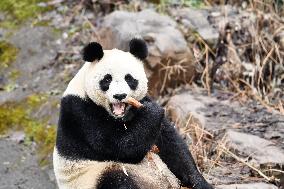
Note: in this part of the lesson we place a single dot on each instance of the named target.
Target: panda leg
(116, 179)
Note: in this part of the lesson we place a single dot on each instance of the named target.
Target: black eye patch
(133, 83)
(105, 82)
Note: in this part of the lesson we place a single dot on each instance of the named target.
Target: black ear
(138, 48)
(92, 51)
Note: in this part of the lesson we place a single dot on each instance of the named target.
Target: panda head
(114, 75)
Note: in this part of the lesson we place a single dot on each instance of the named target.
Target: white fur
(117, 63)
(76, 85)
(85, 174)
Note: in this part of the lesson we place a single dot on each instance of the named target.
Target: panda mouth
(118, 109)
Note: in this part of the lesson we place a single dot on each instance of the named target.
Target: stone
(228, 173)
(170, 61)
(37, 48)
(18, 136)
(260, 185)
(275, 131)
(261, 151)
(197, 19)
(185, 104)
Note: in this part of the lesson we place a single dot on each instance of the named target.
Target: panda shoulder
(76, 85)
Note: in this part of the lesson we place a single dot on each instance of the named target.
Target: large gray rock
(169, 59)
(19, 168)
(197, 19)
(37, 48)
(262, 152)
(260, 185)
(150, 25)
(181, 106)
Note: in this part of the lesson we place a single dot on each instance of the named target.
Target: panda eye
(105, 82)
(132, 83)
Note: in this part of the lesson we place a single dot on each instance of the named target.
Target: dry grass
(204, 141)
(169, 71)
(200, 140)
(252, 67)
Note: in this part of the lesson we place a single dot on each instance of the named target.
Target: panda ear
(138, 48)
(92, 51)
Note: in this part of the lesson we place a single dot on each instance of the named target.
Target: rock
(184, 110)
(228, 173)
(275, 131)
(181, 106)
(149, 25)
(197, 19)
(262, 152)
(35, 74)
(19, 168)
(260, 185)
(37, 48)
(170, 60)
(18, 136)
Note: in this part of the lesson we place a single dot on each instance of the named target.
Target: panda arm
(141, 133)
(175, 153)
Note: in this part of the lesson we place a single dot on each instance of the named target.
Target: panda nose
(119, 96)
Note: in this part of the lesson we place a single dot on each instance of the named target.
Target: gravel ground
(19, 168)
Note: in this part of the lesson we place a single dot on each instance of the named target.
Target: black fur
(116, 179)
(93, 51)
(138, 48)
(105, 82)
(87, 131)
(132, 83)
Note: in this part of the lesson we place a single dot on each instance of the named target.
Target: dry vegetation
(248, 58)
(205, 144)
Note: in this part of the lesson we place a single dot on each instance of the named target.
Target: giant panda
(104, 143)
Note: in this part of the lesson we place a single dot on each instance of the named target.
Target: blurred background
(215, 65)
